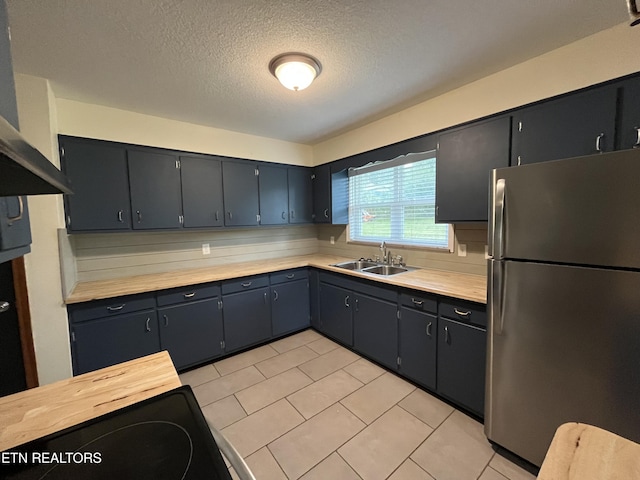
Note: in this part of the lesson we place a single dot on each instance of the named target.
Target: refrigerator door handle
(496, 274)
(498, 214)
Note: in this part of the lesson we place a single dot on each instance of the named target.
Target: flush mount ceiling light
(295, 71)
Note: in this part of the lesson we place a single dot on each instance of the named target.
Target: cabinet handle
(4, 306)
(166, 321)
(519, 160)
(146, 325)
(291, 275)
(275, 295)
(446, 334)
(599, 143)
(461, 313)
(217, 215)
(120, 216)
(637, 144)
(246, 284)
(429, 325)
(346, 301)
(189, 295)
(10, 220)
(284, 215)
(417, 303)
(230, 215)
(356, 304)
(293, 214)
(115, 309)
(326, 213)
(139, 216)
(265, 297)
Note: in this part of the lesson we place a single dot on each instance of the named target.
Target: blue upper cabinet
(240, 186)
(202, 191)
(300, 182)
(156, 194)
(98, 172)
(274, 196)
(629, 131)
(571, 126)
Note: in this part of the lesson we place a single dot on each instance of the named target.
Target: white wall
(37, 115)
(603, 56)
(95, 121)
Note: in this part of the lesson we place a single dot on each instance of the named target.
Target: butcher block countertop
(451, 284)
(584, 452)
(34, 413)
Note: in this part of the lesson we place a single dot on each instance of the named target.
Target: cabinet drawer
(245, 283)
(187, 294)
(419, 301)
(289, 276)
(466, 312)
(110, 306)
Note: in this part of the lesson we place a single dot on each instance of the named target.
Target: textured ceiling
(206, 61)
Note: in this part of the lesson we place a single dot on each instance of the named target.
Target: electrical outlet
(332, 239)
(462, 250)
(206, 250)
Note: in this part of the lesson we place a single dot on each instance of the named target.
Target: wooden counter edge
(34, 413)
(583, 452)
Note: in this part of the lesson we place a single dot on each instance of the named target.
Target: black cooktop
(163, 438)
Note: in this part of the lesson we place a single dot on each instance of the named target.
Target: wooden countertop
(34, 413)
(584, 452)
(451, 284)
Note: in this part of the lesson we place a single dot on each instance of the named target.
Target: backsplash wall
(115, 255)
(474, 236)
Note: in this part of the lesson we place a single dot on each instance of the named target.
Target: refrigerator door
(564, 347)
(582, 210)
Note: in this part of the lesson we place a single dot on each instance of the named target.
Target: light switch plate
(462, 249)
(206, 250)
(332, 239)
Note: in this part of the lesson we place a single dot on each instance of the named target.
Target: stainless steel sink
(385, 270)
(356, 265)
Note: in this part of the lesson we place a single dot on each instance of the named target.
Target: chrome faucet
(385, 253)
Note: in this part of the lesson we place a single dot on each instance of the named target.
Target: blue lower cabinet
(247, 318)
(191, 332)
(106, 341)
(418, 331)
(336, 319)
(289, 307)
(375, 329)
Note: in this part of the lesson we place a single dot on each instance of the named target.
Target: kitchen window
(394, 201)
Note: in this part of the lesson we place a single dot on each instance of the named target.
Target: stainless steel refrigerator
(563, 300)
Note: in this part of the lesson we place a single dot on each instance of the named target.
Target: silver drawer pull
(599, 143)
(346, 301)
(246, 284)
(115, 309)
(326, 213)
(4, 306)
(417, 303)
(637, 144)
(429, 325)
(462, 314)
(10, 220)
(190, 295)
(166, 321)
(146, 325)
(446, 334)
(275, 295)
(291, 275)
(120, 216)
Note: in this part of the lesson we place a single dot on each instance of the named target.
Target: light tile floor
(306, 408)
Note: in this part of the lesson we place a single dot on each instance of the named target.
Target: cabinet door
(156, 198)
(375, 329)
(274, 197)
(191, 332)
(572, 126)
(335, 313)
(201, 192)
(289, 307)
(314, 299)
(461, 363)
(322, 194)
(240, 186)
(8, 104)
(107, 341)
(630, 115)
(417, 346)
(247, 318)
(464, 162)
(98, 174)
(15, 229)
(300, 195)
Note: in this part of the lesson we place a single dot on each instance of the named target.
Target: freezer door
(577, 211)
(564, 347)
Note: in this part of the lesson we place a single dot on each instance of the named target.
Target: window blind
(394, 201)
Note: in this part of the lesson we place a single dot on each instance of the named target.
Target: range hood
(23, 169)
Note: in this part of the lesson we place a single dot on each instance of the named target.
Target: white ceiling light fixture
(295, 71)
